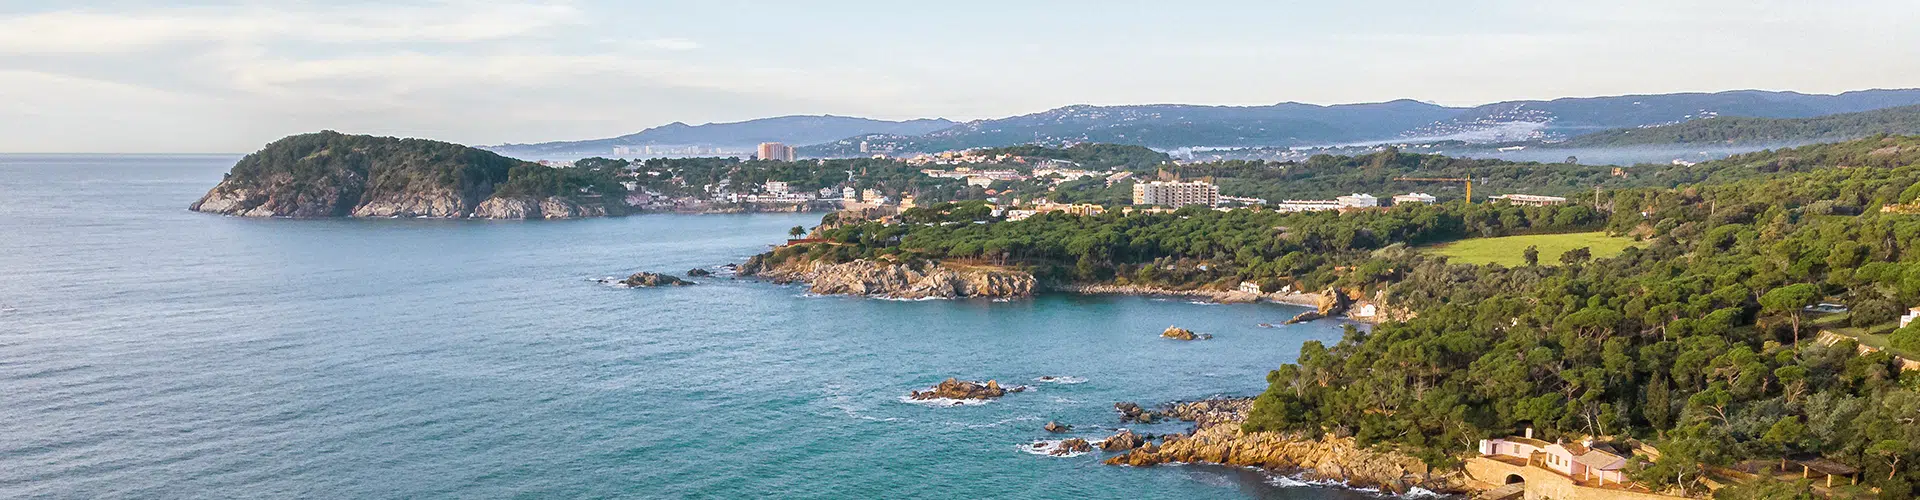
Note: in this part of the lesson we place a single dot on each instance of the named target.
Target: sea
(147, 351)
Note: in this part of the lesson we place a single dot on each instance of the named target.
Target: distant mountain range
(792, 130)
(1164, 126)
(1562, 118)
(1173, 126)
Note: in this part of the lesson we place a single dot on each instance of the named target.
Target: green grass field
(1510, 250)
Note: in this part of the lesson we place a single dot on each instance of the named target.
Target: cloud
(95, 32)
(470, 72)
(676, 44)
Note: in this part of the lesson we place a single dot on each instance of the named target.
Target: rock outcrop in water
(954, 388)
(1218, 439)
(1071, 446)
(1132, 412)
(698, 273)
(649, 280)
(329, 174)
(894, 280)
(1177, 333)
(1058, 428)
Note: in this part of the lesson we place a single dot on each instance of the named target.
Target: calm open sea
(151, 352)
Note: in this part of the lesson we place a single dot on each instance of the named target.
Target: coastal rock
(1209, 412)
(434, 204)
(271, 197)
(1202, 294)
(896, 280)
(1332, 303)
(698, 273)
(1178, 333)
(648, 280)
(508, 208)
(1057, 428)
(1132, 412)
(1218, 439)
(564, 208)
(954, 388)
(1071, 446)
(1125, 440)
(1306, 317)
(522, 207)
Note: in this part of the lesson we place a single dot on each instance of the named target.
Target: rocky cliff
(894, 280)
(330, 174)
(1218, 439)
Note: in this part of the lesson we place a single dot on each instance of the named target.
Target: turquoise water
(147, 351)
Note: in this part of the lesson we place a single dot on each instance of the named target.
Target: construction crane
(1467, 180)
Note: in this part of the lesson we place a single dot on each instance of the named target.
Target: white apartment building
(1358, 200)
(1305, 205)
(1410, 198)
(1531, 200)
(1176, 194)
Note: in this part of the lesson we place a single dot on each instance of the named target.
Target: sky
(230, 76)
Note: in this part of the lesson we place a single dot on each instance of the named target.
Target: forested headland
(330, 174)
(1696, 340)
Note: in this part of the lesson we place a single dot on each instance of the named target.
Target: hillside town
(1016, 187)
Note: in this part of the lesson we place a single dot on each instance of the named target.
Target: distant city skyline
(231, 75)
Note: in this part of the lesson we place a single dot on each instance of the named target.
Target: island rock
(954, 388)
(1071, 446)
(329, 174)
(649, 280)
(1178, 333)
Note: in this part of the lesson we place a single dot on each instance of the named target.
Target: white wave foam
(1298, 481)
(899, 299)
(1001, 422)
(943, 402)
(1047, 447)
(611, 281)
(1063, 380)
(838, 400)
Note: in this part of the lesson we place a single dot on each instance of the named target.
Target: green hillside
(1736, 131)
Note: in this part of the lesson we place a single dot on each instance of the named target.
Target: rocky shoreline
(1218, 439)
(895, 280)
(937, 280)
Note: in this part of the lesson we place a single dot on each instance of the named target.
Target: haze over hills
(1561, 118)
(1745, 131)
(1284, 125)
(1165, 126)
(1293, 124)
(796, 130)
